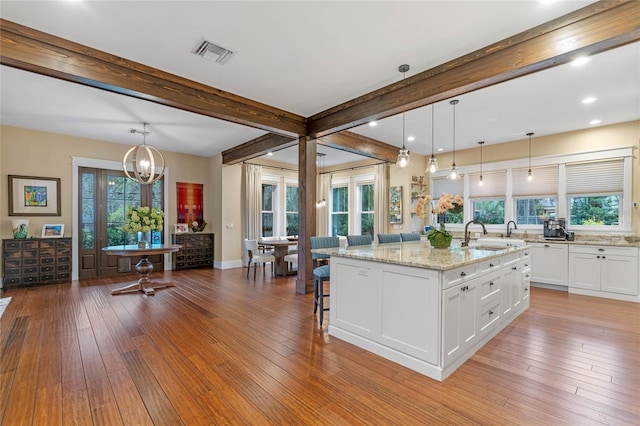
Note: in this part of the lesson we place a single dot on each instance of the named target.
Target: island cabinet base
(422, 318)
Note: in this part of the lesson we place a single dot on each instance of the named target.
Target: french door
(105, 196)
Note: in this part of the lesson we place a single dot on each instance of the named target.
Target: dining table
(280, 250)
(144, 267)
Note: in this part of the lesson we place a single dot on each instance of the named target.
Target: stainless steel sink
(498, 242)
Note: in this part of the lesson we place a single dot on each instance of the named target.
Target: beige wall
(32, 153)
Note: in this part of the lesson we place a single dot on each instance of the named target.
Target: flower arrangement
(195, 227)
(441, 238)
(143, 219)
(421, 206)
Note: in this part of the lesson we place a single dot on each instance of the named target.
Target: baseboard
(550, 286)
(228, 264)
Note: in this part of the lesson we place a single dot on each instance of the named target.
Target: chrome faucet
(509, 229)
(467, 235)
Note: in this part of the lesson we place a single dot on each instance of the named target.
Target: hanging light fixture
(141, 162)
(432, 166)
(453, 174)
(403, 155)
(481, 179)
(322, 202)
(529, 175)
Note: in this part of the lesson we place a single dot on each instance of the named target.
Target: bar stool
(320, 275)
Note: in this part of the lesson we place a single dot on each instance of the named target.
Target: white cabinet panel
(604, 269)
(549, 263)
(459, 320)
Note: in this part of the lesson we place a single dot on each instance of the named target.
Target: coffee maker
(554, 229)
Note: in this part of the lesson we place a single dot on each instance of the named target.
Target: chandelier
(143, 163)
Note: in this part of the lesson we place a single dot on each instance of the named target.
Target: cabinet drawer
(12, 262)
(33, 269)
(459, 275)
(600, 250)
(512, 258)
(47, 252)
(47, 268)
(63, 259)
(488, 288)
(489, 318)
(489, 265)
(12, 245)
(30, 261)
(47, 260)
(30, 244)
(9, 272)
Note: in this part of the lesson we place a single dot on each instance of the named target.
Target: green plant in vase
(441, 238)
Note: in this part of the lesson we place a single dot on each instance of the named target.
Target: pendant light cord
(432, 129)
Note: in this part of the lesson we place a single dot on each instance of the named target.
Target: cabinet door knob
(463, 274)
(603, 257)
(526, 289)
(598, 257)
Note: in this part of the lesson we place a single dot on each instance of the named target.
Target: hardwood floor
(222, 349)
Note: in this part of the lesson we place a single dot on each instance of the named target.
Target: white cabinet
(515, 279)
(604, 270)
(549, 263)
(460, 317)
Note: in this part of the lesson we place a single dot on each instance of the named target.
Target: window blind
(494, 184)
(598, 177)
(453, 187)
(545, 181)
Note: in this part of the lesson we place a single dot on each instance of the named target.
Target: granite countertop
(622, 242)
(420, 254)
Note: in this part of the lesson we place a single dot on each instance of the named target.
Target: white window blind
(545, 181)
(453, 187)
(598, 177)
(494, 184)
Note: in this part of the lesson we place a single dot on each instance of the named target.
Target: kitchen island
(427, 309)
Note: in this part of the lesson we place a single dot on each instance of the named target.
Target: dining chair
(409, 236)
(321, 273)
(359, 240)
(389, 238)
(256, 257)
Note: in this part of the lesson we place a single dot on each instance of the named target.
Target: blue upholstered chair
(359, 240)
(389, 238)
(409, 236)
(321, 273)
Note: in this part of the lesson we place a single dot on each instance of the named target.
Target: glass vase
(144, 239)
(20, 228)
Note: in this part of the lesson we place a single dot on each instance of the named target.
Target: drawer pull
(491, 265)
(601, 249)
(547, 245)
(514, 268)
(491, 283)
(490, 312)
(463, 274)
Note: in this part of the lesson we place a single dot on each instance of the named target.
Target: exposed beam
(257, 147)
(362, 145)
(593, 29)
(31, 50)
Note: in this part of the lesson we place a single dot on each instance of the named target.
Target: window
(488, 200)
(268, 193)
(364, 225)
(339, 211)
(594, 192)
(291, 210)
(453, 187)
(535, 200)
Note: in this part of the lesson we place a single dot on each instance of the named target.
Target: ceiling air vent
(213, 52)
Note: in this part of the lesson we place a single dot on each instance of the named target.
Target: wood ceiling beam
(257, 147)
(593, 29)
(361, 145)
(31, 50)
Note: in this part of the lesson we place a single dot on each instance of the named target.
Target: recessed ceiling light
(440, 149)
(589, 100)
(411, 139)
(373, 123)
(579, 61)
(596, 121)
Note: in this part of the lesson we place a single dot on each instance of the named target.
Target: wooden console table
(144, 267)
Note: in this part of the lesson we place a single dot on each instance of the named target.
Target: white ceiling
(305, 57)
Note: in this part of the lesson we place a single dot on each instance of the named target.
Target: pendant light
(432, 166)
(529, 175)
(322, 202)
(141, 162)
(403, 155)
(453, 174)
(481, 179)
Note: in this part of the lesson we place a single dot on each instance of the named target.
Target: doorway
(103, 199)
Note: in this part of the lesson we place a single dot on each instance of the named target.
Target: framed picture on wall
(34, 196)
(395, 204)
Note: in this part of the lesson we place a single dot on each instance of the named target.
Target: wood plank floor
(221, 349)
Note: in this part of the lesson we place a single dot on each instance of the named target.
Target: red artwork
(189, 201)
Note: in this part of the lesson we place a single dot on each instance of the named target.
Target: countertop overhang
(420, 254)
